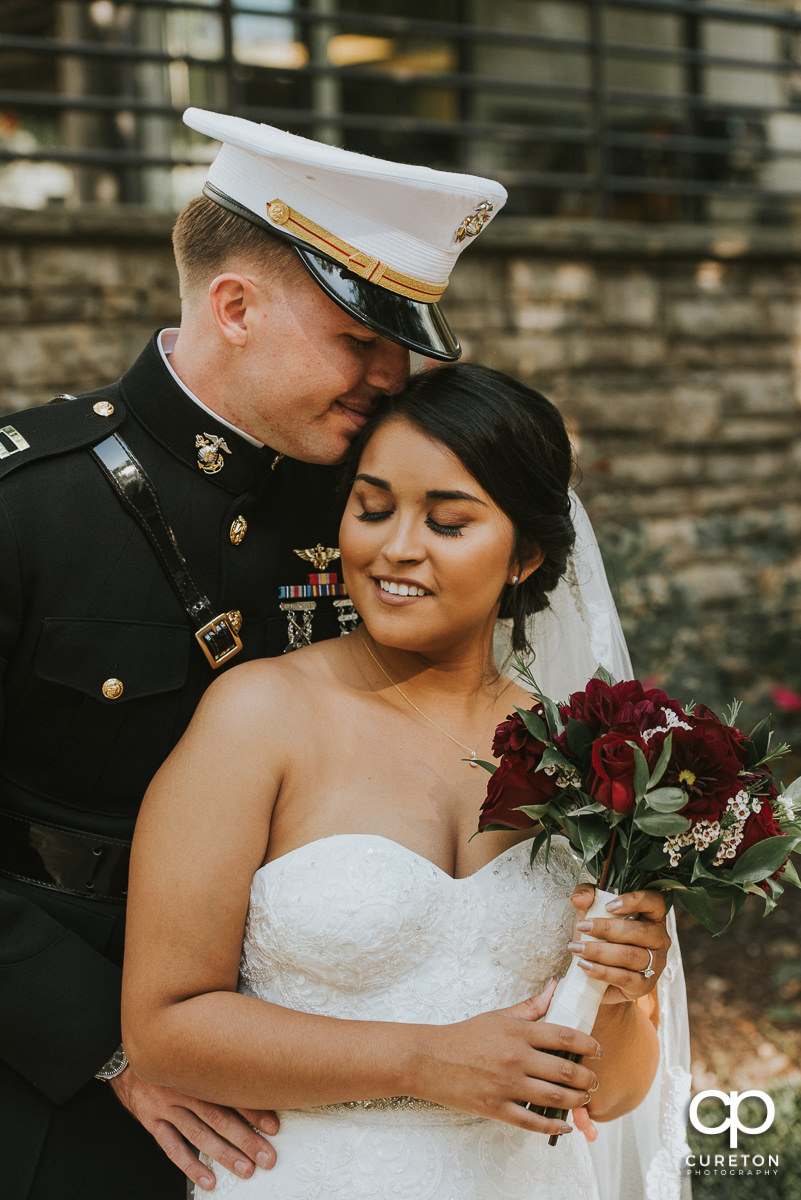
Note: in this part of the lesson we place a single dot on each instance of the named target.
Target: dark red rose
(517, 780)
(512, 737)
(611, 777)
(706, 762)
(626, 706)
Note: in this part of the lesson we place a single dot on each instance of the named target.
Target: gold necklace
(473, 762)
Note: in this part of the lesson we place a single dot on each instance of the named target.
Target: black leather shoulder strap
(216, 633)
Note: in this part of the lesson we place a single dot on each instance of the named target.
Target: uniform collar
(159, 402)
(166, 343)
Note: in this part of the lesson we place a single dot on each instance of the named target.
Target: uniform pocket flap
(113, 661)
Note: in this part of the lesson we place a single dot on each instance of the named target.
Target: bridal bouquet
(650, 795)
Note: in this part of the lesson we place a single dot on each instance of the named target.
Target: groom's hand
(177, 1122)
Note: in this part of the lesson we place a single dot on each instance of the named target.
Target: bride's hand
(634, 928)
(178, 1122)
(491, 1064)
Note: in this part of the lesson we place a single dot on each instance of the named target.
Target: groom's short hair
(208, 239)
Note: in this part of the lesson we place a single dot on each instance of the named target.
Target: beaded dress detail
(357, 926)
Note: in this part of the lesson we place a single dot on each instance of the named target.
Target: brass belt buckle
(219, 638)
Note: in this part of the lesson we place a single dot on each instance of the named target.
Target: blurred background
(646, 275)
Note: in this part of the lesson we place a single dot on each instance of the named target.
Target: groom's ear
(529, 558)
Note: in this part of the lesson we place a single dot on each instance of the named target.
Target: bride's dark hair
(514, 443)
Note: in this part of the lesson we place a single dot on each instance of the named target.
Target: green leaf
(662, 762)
(488, 766)
(790, 874)
(542, 838)
(760, 740)
(579, 737)
(666, 800)
(535, 811)
(534, 724)
(593, 833)
(641, 772)
(552, 716)
(661, 824)
(594, 807)
(553, 757)
(699, 906)
(760, 860)
(602, 674)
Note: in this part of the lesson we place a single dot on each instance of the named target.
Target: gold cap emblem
(235, 619)
(103, 408)
(112, 689)
(475, 221)
(209, 456)
(319, 556)
(278, 212)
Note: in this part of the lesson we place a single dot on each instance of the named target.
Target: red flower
(611, 777)
(706, 763)
(785, 698)
(517, 780)
(626, 706)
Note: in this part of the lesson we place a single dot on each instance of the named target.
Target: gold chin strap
(367, 267)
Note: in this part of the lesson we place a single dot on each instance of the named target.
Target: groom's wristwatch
(115, 1065)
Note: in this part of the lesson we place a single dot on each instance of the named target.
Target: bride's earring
(515, 578)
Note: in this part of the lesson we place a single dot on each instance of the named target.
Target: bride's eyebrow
(434, 494)
(374, 481)
(445, 495)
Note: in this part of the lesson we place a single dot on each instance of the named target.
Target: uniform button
(239, 528)
(103, 408)
(112, 689)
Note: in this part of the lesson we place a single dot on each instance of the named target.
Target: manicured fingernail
(269, 1125)
(613, 904)
(584, 926)
(582, 962)
(566, 1129)
(264, 1160)
(241, 1168)
(577, 947)
(206, 1182)
(599, 1053)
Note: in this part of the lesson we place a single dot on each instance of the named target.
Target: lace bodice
(357, 926)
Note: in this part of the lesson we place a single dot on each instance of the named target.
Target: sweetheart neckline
(400, 846)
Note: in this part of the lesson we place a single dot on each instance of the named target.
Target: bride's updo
(514, 443)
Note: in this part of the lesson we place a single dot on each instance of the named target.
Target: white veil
(640, 1156)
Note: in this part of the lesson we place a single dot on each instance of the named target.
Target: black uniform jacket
(84, 600)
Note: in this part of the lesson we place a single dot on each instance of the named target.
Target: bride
(310, 925)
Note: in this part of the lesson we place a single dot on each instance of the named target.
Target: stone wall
(675, 355)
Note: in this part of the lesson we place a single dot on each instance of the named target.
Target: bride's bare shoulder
(266, 687)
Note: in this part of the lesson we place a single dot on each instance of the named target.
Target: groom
(152, 533)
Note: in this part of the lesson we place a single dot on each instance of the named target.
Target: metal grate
(654, 110)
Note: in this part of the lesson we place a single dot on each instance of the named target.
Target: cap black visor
(420, 327)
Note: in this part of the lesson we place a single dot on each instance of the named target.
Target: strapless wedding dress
(357, 926)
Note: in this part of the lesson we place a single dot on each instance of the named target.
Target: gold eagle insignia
(319, 556)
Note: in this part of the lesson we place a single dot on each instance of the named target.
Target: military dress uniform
(101, 672)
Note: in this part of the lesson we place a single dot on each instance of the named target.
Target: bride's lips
(395, 599)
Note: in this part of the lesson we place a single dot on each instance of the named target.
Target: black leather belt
(65, 860)
(216, 633)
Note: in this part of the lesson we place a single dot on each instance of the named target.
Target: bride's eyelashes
(435, 526)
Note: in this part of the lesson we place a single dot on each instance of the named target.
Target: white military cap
(380, 238)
